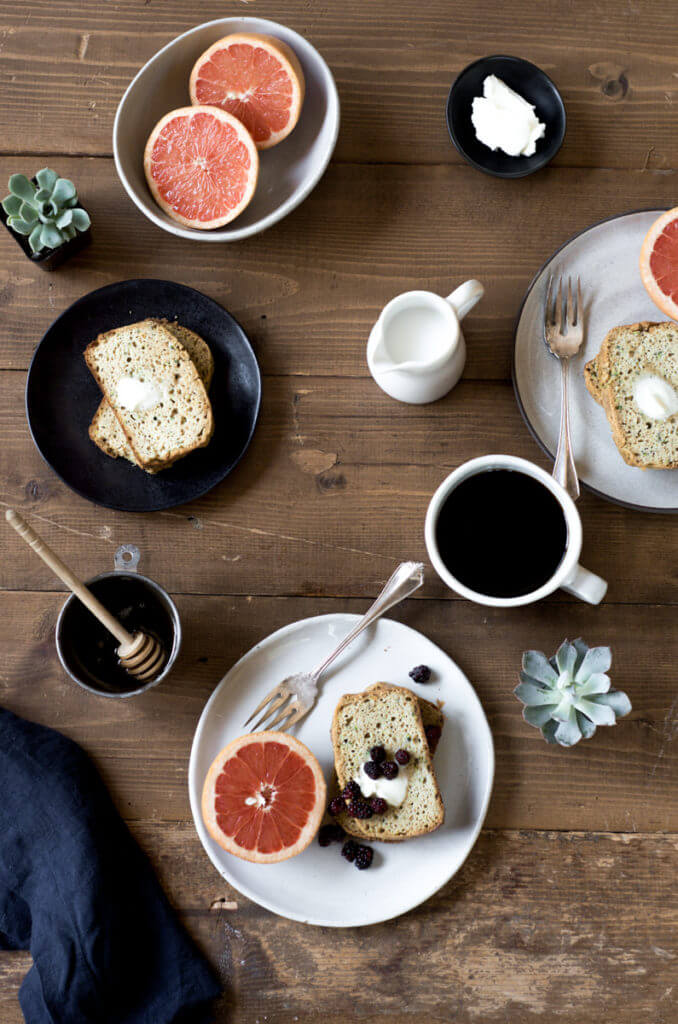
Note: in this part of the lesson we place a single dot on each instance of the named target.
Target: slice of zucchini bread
(389, 717)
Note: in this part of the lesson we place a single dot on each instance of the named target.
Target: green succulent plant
(46, 212)
(569, 695)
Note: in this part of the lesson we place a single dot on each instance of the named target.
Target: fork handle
(407, 578)
(564, 469)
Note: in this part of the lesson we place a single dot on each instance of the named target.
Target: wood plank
(308, 290)
(541, 922)
(324, 453)
(625, 779)
(64, 67)
(580, 926)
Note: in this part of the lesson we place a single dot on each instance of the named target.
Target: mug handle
(464, 298)
(585, 585)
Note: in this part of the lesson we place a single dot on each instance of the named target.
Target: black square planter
(50, 259)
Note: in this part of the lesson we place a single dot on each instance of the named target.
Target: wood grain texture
(625, 779)
(565, 911)
(308, 290)
(552, 926)
(68, 65)
(330, 497)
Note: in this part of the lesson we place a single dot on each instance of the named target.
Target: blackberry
(432, 736)
(389, 769)
(402, 757)
(378, 805)
(349, 850)
(421, 674)
(351, 791)
(363, 857)
(359, 809)
(372, 769)
(337, 805)
(330, 834)
(323, 838)
(378, 754)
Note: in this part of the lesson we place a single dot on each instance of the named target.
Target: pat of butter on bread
(105, 430)
(629, 355)
(180, 423)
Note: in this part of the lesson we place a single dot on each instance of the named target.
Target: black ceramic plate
(62, 396)
(529, 82)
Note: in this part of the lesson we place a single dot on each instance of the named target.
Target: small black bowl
(529, 82)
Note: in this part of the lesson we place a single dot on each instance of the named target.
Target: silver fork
(563, 336)
(296, 695)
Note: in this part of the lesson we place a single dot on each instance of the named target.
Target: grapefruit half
(659, 262)
(201, 166)
(264, 797)
(256, 78)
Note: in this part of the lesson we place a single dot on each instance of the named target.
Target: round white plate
(319, 886)
(605, 257)
(287, 172)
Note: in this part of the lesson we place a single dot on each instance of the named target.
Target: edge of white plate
(194, 788)
(514, 378)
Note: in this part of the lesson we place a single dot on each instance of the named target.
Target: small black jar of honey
(88, 652)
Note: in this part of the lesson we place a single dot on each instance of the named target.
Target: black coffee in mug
(501, 533)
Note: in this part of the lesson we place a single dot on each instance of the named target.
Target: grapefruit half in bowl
(201, 166)
(255, 77)
(659, 262)
(264, 797)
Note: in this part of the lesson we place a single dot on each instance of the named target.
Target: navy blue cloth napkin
(77, 891)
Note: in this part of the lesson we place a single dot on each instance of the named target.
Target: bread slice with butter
(178, 420)
(105, 430)
(395, 718)
(627, 354)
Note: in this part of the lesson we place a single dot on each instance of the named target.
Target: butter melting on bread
(105, 430)
(630, 357)
(176, 419)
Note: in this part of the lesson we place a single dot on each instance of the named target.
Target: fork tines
(553, 308)
(277, 699)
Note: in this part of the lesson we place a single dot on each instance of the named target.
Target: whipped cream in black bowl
(533, 86)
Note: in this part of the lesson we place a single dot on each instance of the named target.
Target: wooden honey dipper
(140, 654)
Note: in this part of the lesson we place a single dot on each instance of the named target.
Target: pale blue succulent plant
(47, 213)
(569, 695)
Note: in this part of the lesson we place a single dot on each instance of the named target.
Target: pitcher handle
(464, 298)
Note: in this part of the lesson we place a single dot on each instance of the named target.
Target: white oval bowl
(288, 171)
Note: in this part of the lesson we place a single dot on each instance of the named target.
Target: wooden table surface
(566, 908)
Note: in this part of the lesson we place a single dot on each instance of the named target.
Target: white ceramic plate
(287, 172)
(319, 886)
(605, 257)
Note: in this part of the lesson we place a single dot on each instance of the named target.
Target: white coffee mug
(569, 575)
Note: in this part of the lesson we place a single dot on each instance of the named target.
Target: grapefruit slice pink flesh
(201, 166)
(264, 797)
(659, 262)
(256, 78)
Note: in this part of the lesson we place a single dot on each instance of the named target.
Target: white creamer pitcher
(416, 351)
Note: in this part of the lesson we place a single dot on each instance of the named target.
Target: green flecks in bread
(149, 351)
(389, 716)
(105, 430)
(627, 353)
